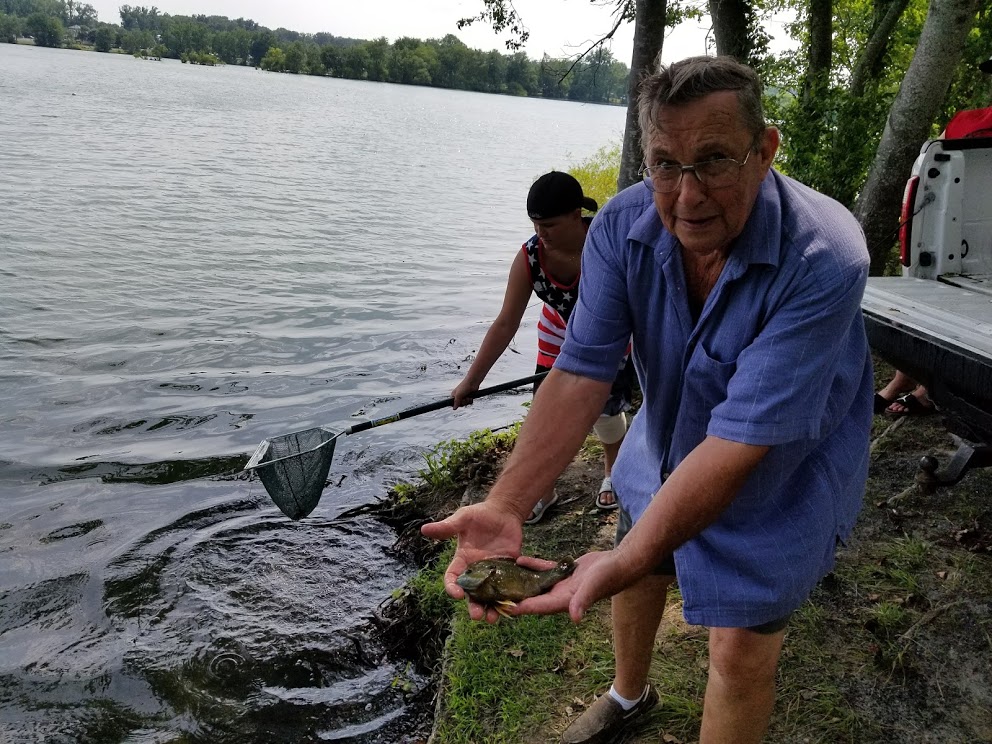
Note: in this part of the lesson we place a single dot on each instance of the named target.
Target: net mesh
(296, 482)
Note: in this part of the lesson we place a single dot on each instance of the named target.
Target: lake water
(193, 259)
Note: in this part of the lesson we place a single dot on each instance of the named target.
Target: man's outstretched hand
(483, 531)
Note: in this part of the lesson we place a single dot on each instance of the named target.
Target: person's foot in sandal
(916, 403)
(605, 719)
(606, 500)
(899, 385)
(540, 507)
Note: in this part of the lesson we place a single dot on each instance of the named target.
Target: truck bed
(940, 333)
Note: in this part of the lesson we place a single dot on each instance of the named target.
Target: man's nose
(691, 189)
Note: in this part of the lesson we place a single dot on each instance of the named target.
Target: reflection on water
(192, 260)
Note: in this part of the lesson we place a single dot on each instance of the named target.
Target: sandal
(540, 507)
(880, 403)
(914, 406)
(606, 487)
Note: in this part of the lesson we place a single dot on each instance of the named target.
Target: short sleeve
(812, 340)
(599, 330)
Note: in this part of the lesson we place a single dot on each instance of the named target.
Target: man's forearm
(692, 498)
(560, 417)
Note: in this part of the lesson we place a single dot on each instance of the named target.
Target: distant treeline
(443, 63)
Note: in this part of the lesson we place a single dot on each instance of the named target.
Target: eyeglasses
(713, 174)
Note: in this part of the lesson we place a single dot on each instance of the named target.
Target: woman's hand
(463, 393)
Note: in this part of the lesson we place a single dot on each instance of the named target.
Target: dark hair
(696, 77)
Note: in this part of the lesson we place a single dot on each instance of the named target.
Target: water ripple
(200, 259)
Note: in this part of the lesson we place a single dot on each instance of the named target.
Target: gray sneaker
(605, 720)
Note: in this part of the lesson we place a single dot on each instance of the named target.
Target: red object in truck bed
(971, 123)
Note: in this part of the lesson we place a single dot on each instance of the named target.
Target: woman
(548, 265)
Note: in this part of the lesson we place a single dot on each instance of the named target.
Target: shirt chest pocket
(705, 383)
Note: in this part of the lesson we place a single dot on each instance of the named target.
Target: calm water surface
(192, 260)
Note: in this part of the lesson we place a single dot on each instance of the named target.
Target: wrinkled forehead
(701, 128)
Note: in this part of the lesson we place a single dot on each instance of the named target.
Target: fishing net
(293, 468)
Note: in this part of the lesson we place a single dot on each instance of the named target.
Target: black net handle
(447, 402)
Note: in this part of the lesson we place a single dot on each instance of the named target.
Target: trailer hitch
(930, 477)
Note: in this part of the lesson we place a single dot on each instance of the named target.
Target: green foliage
(274, 60)
(971, 88)
(831, 133)
(106, 37)
(427, 587)
(47, 30)
(445, 462)
(134, 42)
(200, 58)
(10, 28)
(183, 36)
(295, 58)
(442, 63)
(598, 174)
(232, 47)
(141, 18)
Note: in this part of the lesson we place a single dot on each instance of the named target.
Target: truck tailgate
(939, 334)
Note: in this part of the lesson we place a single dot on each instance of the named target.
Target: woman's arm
(499, 335)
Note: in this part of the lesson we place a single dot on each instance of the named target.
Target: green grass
(500, 678)
(445, 464)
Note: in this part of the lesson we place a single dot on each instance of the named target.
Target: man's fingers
(443, 530)
(578, 605)
(451, 583)
(537, 564)
(542, 604)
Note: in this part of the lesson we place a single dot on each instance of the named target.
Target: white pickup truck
(935, 321)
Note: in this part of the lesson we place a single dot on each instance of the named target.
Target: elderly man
(747, 461)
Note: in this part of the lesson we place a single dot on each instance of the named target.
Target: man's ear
(769, 146)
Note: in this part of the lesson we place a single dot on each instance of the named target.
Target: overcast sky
(558, 27)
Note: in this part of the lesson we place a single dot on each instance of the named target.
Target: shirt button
(665, 476)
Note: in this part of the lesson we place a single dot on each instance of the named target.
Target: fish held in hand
(501, 582)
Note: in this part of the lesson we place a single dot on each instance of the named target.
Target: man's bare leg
(637, 612)
(740, 692)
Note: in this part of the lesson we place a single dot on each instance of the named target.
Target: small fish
(501, 582)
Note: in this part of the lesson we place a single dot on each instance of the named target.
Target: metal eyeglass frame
(645, 170)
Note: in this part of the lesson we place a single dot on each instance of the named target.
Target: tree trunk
(820, 50)
(871, 56)
(916, 105)
(731, 29)
(649, 35)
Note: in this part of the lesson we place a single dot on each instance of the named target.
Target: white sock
(624, 702)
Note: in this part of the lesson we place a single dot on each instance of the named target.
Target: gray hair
(696, 77)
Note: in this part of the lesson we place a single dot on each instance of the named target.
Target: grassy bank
(895, 645)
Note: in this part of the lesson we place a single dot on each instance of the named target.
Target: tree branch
(593, 46)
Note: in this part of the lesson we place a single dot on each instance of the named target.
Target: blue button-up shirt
(777, 357)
